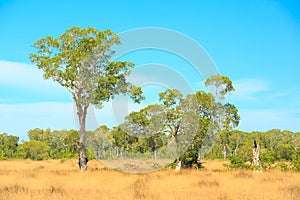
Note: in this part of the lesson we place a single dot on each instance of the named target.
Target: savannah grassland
(53, 179)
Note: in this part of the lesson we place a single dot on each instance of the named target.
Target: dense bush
(35, 150)
(8, 146)
(238, 162)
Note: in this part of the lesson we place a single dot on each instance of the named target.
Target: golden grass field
(52, 179)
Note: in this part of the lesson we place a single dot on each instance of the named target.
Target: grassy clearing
(52, 179)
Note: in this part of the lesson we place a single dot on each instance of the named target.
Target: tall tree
(80, 61)
(225, 116)
(148, 125)
(171, 99)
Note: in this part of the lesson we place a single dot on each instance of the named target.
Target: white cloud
(13, 73)
(261, 108)
(27, 77)
(266, 119)
(17, 119)
(247, 89)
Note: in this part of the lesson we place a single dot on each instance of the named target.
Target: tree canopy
(80, 61)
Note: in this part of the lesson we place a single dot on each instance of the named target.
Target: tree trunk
(177, 144)
(178, 167)
(155, 154)
(121, 153)
(199, 153)
(97, 155)
(117, 152)
(256, 149)
(224, 152)
(82, 158)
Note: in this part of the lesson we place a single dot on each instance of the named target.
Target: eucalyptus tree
(80, 61)
(171, 99)
(225, 115)
(148, 126)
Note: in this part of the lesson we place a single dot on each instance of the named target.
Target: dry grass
(24, 179)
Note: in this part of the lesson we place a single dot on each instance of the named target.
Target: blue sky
(256, 44)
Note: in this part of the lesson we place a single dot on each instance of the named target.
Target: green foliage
(171, 165)
(63, 145)
(296, 161)
(54, 140)
(8, 146)
(222, 85)
(35, 150)
(238, 162)
(122, 139)
(79, 60)
(59, 144)
(190, 158)
(90, 154)
(142, 131)
(98, 142)
(186, 121)
(36, 134)
(213, 115)
(170, 97)
(268, 157)
(277, 147)
(283, 166)
(70, 141)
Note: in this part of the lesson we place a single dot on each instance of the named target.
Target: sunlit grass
(52, 179)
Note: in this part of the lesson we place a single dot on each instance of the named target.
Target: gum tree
(80, 61)
(226, 115)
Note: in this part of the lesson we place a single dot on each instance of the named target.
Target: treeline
(42, 144)
(279, 149)
(102, 143)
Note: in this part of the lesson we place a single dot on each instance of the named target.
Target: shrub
(237, 162)
(283, 166)
(267, 159)
(171, 165)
